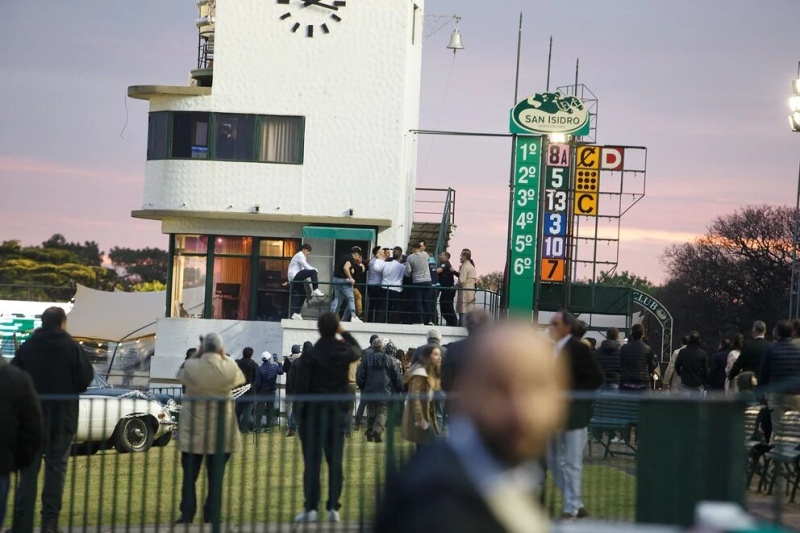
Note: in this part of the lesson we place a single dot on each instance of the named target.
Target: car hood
(119, 393)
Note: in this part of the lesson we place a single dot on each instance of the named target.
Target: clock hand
(319, 3)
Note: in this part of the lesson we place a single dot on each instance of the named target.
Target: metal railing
(431, 203)
(434, 305)
(648, 457)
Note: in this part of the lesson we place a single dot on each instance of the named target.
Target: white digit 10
(554, 247)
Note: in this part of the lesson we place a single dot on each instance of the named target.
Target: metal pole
(794, 289)
(549, 62)
(511, 175)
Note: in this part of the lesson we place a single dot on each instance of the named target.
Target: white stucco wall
(176, 335)
(358, 88)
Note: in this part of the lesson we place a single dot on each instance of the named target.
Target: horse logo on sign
(550, 113)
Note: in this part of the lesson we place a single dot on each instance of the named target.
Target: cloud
(11, 165)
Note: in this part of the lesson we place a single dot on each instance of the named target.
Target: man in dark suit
(484, 477)
(565, 454)
(752, 353)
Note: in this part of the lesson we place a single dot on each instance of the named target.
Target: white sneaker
(355, 319)
(297, 316)
(307, 516)
(318, 293)
(333, 516)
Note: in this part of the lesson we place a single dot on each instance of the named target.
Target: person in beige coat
(208, 407)
(419, 417)
(466, 284)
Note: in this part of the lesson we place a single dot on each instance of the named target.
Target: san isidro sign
(548, 113)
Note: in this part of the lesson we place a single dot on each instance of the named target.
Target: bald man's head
(513, 391)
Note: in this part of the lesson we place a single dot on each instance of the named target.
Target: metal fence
(409, 305)
(648, 458)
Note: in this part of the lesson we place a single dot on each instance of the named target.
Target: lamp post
(794, 289)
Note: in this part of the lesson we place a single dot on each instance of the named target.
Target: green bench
(612, 415)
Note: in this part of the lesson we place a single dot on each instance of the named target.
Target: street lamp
(794, 289)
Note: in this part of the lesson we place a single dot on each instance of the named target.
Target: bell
(455, 41)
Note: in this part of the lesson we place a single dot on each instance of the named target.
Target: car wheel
(133, 435)
(163, 440)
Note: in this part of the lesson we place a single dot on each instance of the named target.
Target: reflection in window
(188, 286)
(233, 245)
(231, 285)
(281, 140)
(157, 135)
(190, 135)
(235, 137)
(191, 244)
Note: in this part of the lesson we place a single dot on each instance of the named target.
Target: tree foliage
(493, 281)
(736, 273)
(51, 271)
(140, 265)
(627, 279)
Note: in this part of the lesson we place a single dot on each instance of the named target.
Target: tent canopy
(115, 316)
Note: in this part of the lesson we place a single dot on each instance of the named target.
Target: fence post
(218, 467)
(690, 450)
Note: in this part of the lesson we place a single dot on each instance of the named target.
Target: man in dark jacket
(266, 387)
(637, 362)
(362, 405)
(608, 357)
(484, 477)
(21, 420)
(322, 422)
(565, 455)
(377, 376)
(780, 373)
(246, 402)
(58, 366)
(692, 366)
(752, 353)
(291, 380)
(717, 364)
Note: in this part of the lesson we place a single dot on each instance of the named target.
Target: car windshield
(99, 383)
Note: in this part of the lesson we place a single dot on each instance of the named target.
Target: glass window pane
(272, 296)
(233, 245)
(231, 300)
(271, 248)
(157, 135)
(236, 137)
(188, 286)
(191, 244)
(290, 247)
(281, 139)
(190, 135)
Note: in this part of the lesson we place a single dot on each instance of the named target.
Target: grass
(264, 483)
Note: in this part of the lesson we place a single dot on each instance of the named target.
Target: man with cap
(266, 385)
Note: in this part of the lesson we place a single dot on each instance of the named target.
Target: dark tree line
(51, 271)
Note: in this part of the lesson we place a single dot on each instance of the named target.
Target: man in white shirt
(374, 275)
(392, 285)
(299, 271)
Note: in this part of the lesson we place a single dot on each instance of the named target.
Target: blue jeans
(292, 417)
(342, 289)
(4, 485)
(565, 461)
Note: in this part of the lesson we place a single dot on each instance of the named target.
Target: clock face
(312, 17)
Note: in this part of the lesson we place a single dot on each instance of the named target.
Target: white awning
(115, 316)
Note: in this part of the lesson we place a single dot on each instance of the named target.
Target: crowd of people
(487, 413)
(389, 287)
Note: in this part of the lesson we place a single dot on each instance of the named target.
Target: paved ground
(316, 527)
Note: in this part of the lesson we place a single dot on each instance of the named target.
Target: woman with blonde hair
(419, 418)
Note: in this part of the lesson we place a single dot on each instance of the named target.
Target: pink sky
(703, 85)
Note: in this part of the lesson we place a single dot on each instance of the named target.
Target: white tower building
(295, 128)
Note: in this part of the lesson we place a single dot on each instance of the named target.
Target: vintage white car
(130, 420)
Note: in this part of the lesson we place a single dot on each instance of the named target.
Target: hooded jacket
(608, 357)
(378, 374)
(58, 366)
(325, 367)
(21, 419)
